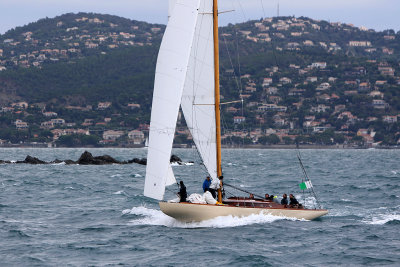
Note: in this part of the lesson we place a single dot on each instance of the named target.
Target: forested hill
(294, 74)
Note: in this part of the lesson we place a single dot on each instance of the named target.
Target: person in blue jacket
(206, 183)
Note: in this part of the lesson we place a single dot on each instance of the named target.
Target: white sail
(171, 6)
(170, 176)
(172, 62)
(198, 95)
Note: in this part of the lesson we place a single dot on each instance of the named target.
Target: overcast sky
(375, 14)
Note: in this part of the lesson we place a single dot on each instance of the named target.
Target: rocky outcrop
(87, 159)
(32, 160)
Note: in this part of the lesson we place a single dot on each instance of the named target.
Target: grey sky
(376, 14)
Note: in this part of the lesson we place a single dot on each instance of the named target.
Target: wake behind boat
(187, 76)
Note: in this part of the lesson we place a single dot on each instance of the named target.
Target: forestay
(172, 62)
(198, 95)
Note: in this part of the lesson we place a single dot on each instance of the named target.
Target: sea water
(74, 215)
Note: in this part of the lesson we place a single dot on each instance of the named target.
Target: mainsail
(198, 100)
(171, 69)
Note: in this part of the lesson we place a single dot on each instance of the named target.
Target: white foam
(116, 175)
(118, 193)
(382, 219)
(157, 217)
(137, 175)
(60, 163)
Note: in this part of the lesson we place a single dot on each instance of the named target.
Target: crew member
(215, 185)
(182, 192)
(293, 201)
(206, 183)
(284, 200)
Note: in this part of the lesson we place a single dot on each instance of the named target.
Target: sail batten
(171, 69)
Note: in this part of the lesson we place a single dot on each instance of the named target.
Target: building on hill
(21, 105)
(318, 65)
(133, 105)
(379, 104)
(389, 119)
(112, 135)
(312, 79)
(136, 137)
(239, 119)
(388, 71)
(103, 105)
(360, 43)
(323, 87)
(50, 114)
(21, 125)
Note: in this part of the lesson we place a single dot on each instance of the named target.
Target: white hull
(190, 212)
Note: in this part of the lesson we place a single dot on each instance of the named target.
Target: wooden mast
(217, 94)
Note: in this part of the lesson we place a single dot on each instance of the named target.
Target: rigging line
(241, 8)
(238, 61)
(262, 5)
(307, 178)
(230, 60)
(245, 191)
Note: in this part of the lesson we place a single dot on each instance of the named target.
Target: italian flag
(305, 185)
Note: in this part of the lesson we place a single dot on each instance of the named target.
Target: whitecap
(137, 175)
(394, 172)
(382, 219)
(121, 192)
(116, 175)
(158, 218)
(60, 163)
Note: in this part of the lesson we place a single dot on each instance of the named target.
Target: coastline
(185, 146)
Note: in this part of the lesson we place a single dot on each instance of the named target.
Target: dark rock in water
(88, 159)
(69, 162)
(33, 160)
(138, 161)
(175, 158)
(107, 159)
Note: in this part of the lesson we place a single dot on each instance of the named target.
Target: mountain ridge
(82, 59)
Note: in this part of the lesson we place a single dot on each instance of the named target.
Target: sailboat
(187, 76)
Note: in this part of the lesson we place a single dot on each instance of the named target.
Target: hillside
(301, 80)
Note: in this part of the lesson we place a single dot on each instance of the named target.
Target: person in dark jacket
(206, 183)
(293, 201)
(182, 192)
(284, 200)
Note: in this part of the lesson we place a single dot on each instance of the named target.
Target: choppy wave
(69, 215)
(383, 219)
(157, 217)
